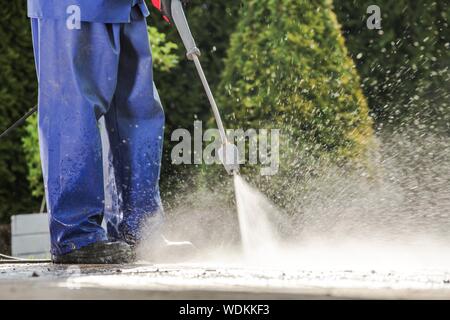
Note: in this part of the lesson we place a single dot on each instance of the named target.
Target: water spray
(228, 152)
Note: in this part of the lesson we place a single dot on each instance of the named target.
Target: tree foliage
(405, 65)
(17, 95)
(288, 68)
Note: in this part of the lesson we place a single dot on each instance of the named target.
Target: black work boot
(99, 253)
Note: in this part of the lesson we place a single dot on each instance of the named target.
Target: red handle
(157, 4)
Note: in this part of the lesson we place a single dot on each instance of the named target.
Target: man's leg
(77, 71)
(135, 124)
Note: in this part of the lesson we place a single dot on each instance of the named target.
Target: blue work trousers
(99, 70)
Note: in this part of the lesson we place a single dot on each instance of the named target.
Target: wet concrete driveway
(197, 281)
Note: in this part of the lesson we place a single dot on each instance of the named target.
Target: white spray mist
(259, 239)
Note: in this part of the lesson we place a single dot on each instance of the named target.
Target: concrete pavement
(206, 281)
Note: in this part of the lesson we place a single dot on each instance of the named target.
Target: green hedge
(404, 66)
(288, 68)
(17, 95)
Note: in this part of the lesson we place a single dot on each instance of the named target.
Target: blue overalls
(102, 69)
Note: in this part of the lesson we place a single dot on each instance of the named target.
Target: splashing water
(259, 239)
(337, 219)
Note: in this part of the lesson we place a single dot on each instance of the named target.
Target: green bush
(405, 65)
(288, 68)
(17, 95)
(30, 143)
(163, 51)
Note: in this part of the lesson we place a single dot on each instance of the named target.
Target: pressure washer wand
(228, 153)
(211, 99)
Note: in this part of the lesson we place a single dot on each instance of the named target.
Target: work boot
(98, 253)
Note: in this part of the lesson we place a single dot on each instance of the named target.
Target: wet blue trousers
(100, 70)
